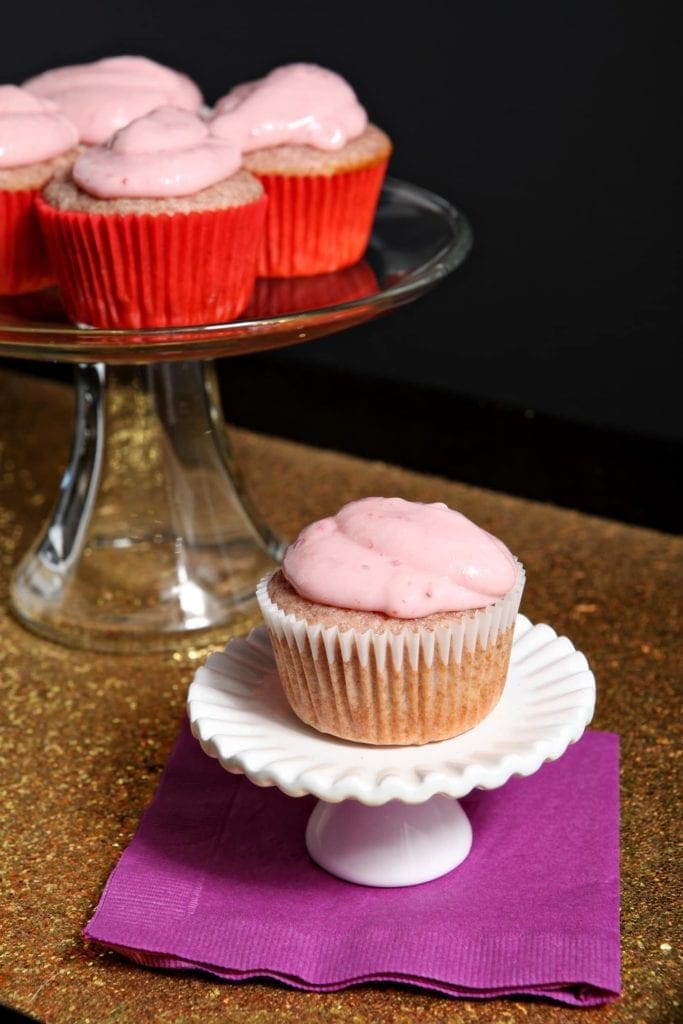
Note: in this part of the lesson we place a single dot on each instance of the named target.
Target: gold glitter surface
(85, 737)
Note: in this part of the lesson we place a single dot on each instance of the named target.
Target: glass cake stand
(153, 541)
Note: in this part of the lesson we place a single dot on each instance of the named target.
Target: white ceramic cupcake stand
(389, 816)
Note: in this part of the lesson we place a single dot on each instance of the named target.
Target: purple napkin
(217, 877)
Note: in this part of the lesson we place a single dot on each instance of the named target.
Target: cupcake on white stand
(388, 813)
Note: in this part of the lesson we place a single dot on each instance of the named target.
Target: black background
(551, 125)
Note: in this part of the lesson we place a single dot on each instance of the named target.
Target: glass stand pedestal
(152, 538)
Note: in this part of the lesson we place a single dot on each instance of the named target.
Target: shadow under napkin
(217, 877)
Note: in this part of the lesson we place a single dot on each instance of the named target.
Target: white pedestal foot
(395, 844)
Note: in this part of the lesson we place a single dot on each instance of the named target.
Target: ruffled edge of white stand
(240, 716)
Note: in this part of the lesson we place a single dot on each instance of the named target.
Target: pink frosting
(31, 129)
(402, 558)
(168, 152)
(108, 94)
(301, 104)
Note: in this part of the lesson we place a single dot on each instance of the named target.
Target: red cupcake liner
(24, 261)
(277, 296)
(145, 270)
(318, 223)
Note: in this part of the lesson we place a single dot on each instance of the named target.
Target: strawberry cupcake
(105, 95)
(392, 622)
(307, 138)
(158, 228)
(36, 142)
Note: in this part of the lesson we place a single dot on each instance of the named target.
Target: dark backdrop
(551, 126)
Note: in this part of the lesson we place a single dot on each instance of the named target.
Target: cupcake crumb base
(367, 678)
(390, 705)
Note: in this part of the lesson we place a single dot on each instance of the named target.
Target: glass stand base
(152, 542)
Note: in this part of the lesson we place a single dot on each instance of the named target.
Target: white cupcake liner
(412, 686)
(478, 628)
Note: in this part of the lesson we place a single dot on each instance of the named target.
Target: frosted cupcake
(105, 95)
(307, 138)
(392, 622)
(36, 142)
(158, 228)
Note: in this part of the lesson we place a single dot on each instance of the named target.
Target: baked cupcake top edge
(367, 150)
(63, 193)
(286, 600)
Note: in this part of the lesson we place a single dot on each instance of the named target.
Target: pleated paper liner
(318, 223)
(145, 270)
(24, 262)
(408, 687)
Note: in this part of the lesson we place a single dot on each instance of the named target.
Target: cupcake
(392, 622)
(158, 228)
(307, 138)
(36, 142)
(105, 95)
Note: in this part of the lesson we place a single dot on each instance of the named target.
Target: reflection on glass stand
(153, 542)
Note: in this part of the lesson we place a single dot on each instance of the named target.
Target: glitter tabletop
(85, 737)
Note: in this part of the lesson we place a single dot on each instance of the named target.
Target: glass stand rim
(418, 238)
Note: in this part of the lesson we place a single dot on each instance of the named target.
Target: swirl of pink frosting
(108, 94)
(168, 152)
(31, 129)
(300, 104)
(403, 558)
